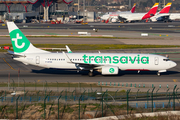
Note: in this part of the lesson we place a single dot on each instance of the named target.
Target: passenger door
(156, 60)
(37, 59)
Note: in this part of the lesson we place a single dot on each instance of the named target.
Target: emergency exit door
(37, 59)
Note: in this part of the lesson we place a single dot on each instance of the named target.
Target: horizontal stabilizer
(14, 54)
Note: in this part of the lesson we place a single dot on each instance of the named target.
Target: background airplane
(174, 16)
(113, 16)
(163, 15)
(132, 17)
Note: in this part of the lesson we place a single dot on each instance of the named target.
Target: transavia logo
(135, 59)
(19, 41)
(16, 39)
(111, 70)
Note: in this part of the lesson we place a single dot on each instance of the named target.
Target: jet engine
(110, 70)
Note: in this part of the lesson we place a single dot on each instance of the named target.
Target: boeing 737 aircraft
(105, 63)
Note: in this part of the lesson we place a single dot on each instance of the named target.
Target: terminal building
(28, 10)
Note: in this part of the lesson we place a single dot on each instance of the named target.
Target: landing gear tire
(90, 74)
(158, 73)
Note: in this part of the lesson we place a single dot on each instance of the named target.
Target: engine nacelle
(110, 70)
(114, 20)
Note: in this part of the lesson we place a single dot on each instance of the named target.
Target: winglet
(66, 57)
(68, 49)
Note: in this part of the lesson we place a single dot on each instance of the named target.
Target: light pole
(78, 9)
(83, 10)
(129, 4)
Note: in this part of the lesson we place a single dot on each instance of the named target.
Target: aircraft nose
(102, 17)
(173, 64)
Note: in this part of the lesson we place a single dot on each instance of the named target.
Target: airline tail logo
(151, 12)
(19, 41)
(133, 8)
(166, 8)
(16, 43)
(107, 20)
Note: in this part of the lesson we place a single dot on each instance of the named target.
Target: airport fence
(135, 85)
(85, 103)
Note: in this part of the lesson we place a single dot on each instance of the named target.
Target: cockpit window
(166, 59)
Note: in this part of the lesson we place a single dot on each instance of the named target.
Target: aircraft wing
(121, 18)
(82, 66)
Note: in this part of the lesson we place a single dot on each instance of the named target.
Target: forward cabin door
(37, 59)
(156, 61)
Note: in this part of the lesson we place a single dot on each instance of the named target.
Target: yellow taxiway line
(8, 64)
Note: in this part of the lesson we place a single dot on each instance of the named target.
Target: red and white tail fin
(107, 20)
(133, 8)
(166, 8)
(151, 12)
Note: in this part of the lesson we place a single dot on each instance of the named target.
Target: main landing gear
(91, 74)
(158, 73)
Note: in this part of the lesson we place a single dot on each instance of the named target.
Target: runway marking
(8, 64)
(175, 80)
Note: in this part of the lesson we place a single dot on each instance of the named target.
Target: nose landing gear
(158, 73)
(91, 74)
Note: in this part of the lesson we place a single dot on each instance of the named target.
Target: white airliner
(130, 17)
(113, 16)
(174, 16)
(106, 63)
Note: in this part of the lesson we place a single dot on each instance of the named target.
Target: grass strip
(102, 46)
(74, 36)
(96, 46)
(54, 35)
